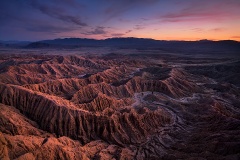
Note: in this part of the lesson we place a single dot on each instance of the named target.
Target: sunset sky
(100, 19)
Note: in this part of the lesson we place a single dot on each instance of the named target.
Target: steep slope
(63, 118)
(118, 106)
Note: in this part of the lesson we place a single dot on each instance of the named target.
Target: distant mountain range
(131, 42)
(15, 42)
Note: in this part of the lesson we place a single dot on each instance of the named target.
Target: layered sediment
(79, 107)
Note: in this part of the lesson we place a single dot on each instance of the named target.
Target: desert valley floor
(118, 106)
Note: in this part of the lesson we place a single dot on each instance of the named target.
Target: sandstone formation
(118, 107)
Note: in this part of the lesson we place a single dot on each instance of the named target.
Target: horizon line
(215, 40)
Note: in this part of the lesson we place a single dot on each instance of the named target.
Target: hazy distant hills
(106, 42)
(15, 43)
(202, 46)
(223, 46)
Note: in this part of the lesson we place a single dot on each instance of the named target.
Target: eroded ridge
(118, 106)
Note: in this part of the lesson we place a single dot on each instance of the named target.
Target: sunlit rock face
(119, 106)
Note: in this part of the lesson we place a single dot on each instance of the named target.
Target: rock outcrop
(117, 107)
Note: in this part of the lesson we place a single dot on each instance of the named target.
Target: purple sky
(159, 19)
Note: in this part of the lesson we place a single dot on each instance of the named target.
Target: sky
(33, 20)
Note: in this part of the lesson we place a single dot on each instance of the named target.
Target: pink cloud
(217, 29)
(237, 37)
(188, 15)
(197, 29)
(204, 11)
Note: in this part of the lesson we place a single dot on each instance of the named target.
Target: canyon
(126, 105)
